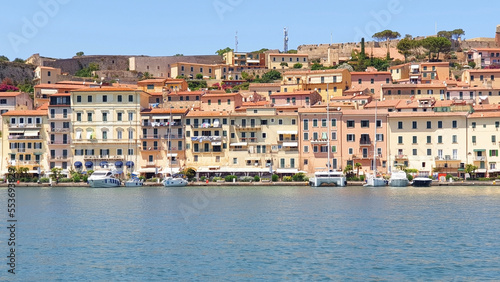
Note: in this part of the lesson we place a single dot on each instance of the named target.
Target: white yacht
(134, 181)
(326, 178)
(103, 178)
(398, 179)
(174, 182)
(373, 181)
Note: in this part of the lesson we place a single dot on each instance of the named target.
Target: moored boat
(103, 178)
(333, 177)
(134, 181)
(422, 181)
(174, 182)
(398, 179)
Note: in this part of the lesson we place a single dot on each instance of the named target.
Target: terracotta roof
(207, 114)
(370, 73)
(220, 95)
(484, 70)
(295, 93)
(486, 49)
(363, 112)
(259, 103)
(427, 114)
(480, 114)
(384, 104)
(105, 89)
(152, 80)
(187, 93)
(164, 111)
(44, 106)
(328, 71)
(410, 85)
(486, 107)
(9, 94)
(155, 93)
(436, 63)
(76, 82)
(26, 113)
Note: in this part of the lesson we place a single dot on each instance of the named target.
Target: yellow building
(428, 140)
(487, 78)
(286, 61)
(336, 80)
(46, 75)
(106, 127)
(24, 140)
(482, 145)
(207, 71)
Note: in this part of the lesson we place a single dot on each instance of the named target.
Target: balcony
(59, 117)
(287, 140)
(59, 130)
(22, 137)
(319, 141)
(161, 124)
(207, 151)
(57, 142)
(249, 139)
(59, 158)
(103, 158)
(248, 127)
(153, 148)
(401, 157)
(206, 138)
(173, 136)
(31, 125)
(365, 142)
(206, 125)
(480, 158)
(150, 136)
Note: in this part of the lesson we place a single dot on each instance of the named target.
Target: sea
(253, 233)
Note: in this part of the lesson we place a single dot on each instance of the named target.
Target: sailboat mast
(375, 144)
(328, 127)
(168, 141)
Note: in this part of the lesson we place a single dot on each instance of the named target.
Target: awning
(414, 66)
(38, 153)
(218, 143)
(118, 163)
(290, 144)
(16, 130)
(479, 150)
(31, 133)
(167, 170)
(89, 164)
(129, 164)
(287, 170)
(239, 144)
(287, 132)
(103, 163)
(148, 170)
(78, 164)
(414, 77)
(172, 155)
(252, 159)
(33, 171)
(244, 169)
(160, 117)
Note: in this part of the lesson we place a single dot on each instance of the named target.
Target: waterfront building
(428, 141)
(59, 132)
(336, 80)
(162, 141)
(43, 91)
(487, 78)
(24, 140)
(358, 139)
(408, 91)
(14, 101)
(482, 142)
(106, 127)
(314, 140)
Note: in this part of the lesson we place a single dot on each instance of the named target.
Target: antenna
(236, 42)
(285, 40)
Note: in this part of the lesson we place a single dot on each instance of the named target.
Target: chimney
(497, 36)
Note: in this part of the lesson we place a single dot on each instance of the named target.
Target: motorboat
(134, 181)
(332, 177)
(375, 181)
(103, 178)
(422, 181)
(398, 179)
(174, 181)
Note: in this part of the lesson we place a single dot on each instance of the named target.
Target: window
(78, 99)
(473, 124)
(414, 139)
(315, 123)
(493, 138)
(440, 124)
(119, 98)
(365, 123)
(280, 121)
(219, 102)
(119, 136)
(429, 152)
(454, 139)
(429, 124)
(351, 138)
(350, 124)
(429, 139)
(474, 139)
(89, 99)
(323, 122)
(379, 137)
(306, 135)
(493, 153)
(130, 116)
(454, 124)
(306, 124)
(104, 98)
(414, 151)
(334, 122)
(334, 135)
(440, 139)
(414, 124)
(104, 116)
(89, 116)
(306, 149)
(104, 135)
(350, 151)
(400, 125)
(400, 139)
(119, 116)
(131, 98)
(78, 116)
(497, 124)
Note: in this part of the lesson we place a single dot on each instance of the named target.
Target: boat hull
(175, 182)
(399, 182)
(375, 182)
(133, 183)
(422, 182)
(104, 183)
(328, 181)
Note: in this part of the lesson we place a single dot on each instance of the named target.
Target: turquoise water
(255, 233)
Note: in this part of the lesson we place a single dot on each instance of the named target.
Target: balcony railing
(249, 139)
(480, 158)
(365, 142)
(58, 142)
(22, 137)
(62, 130)
(30, 125)
(173, 136)
(206, 125)
(150, 136)
(63, 157)
(152, 148)
(401, 157)
(206, 138)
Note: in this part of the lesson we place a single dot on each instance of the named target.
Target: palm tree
(347, 169)
(358, 166)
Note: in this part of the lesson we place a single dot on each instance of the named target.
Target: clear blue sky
(60, 28)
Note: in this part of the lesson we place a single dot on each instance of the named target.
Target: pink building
(227, 102)
(296, 98)
(372, 80)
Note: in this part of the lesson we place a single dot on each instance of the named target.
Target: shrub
(246, 179)
(448, 176)
(44, 180)
(410, 177)
(274, 178)
(287, 179)
(298, 176)
(215, 179)
(85, 178)
(153, 179)
(362, 178)
(76, 178)
(256, 178)
(203, 178)
(65, 180)
(229, 178)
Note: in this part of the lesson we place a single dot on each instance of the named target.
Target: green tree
(87, 72)
(199, 76)
(316, 66)
(405, 47)
(19, 60)
(297, 66)
(4, 59)
(358, 166)
(178, 55)
(444, 33)
(472, 64)
(79, 54)
(261, 50)
(56, 173)
(189, 172)
(457, 33)
(471, 169)
(436, 45)
(293, 51)
(348, 169)
(386, 35)
(284, 64)
(146, 75)
(221, 52)
(271, 75)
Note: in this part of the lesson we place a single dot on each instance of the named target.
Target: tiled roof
(152, 80)
(26, 113)
(105, 89)
(429, 114)
(164, 111)
(9, 94)
(295, 93)
(207, 114)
